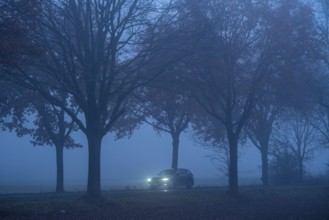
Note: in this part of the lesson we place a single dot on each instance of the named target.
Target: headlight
(165, 179)
(148, 180)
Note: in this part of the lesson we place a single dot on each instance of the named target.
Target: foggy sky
(125, 162)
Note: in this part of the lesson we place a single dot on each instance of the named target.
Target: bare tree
(322, 126)
(222, 94)
(283, 166)
(167, 110)
(165, 103)
(322, 111)
(259, 130)
(53, 128)
(95, 53)
(26, 113)
(301, 138)
(246, 45)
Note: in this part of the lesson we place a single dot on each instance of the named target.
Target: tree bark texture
(175, 148)
(94, 170)
(233, 168)
(264, 153)
(60, 168)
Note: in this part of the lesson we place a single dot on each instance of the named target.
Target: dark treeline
(233, 71)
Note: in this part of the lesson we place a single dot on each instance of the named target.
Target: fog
(125, 164)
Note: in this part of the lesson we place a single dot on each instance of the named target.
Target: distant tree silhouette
(283, 167)
(322, 111)
(27, 113)
(53, 128)
(165, 103)
(298, 138)
(321, 124)
(167, 109)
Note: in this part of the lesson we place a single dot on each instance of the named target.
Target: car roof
(178, 169)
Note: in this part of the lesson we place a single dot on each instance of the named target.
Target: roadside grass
(301, 202)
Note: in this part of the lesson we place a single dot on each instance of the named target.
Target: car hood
(161, 177)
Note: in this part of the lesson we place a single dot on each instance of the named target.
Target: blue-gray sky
(124, 162)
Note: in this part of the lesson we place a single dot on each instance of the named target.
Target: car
(171, 179)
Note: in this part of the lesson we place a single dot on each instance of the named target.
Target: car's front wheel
(171, 185)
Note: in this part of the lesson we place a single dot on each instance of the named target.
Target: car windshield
(166, 172)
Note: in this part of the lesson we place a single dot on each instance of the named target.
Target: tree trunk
(300, 170)
(233, 169)
(175, 147)
(60, 168)
(94, 169)
(264, 153)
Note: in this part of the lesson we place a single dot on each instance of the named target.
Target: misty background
(125, 163)
(247, 74)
